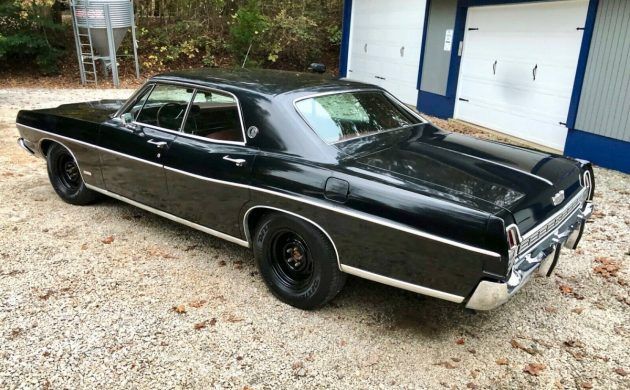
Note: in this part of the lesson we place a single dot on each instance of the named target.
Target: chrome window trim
(391, 97)
(402, 285)
(134, 95)
(172, 217)
(355, 214)
(180, 132)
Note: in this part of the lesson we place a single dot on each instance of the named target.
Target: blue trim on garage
(603, 151)
(345, 38)
(589, 26)
(444, 106)
(424, 41)
(436, 105)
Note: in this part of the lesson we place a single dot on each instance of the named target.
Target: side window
(214, 115)
(165, 107)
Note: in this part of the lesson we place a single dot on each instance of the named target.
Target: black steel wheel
(65, 177)
(297, 261)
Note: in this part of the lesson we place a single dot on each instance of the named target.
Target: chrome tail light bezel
(513, 237)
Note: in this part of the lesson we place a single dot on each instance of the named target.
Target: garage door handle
(494, 67)
(534, 70)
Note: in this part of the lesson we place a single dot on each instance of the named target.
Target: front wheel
(65, 177)
(297, 261)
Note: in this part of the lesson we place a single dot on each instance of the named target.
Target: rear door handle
(158, 144)
(239, 162)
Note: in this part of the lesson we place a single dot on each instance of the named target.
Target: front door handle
(239, 162)
(158, 144)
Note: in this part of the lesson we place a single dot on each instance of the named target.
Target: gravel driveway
(111, 296)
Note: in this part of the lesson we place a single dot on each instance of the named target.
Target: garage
(518, 67)
(552, 74)
(384, 46)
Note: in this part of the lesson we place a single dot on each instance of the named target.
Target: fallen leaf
(529, 350)
(49, 293)
(156, 251)
(200, 325)
(233, 318)
(472, 350)
(573, 343)
(578, 310)
(238, 264)
(212, 322)
(108, 240)
(534, 368)
(181, 309)
(607, 268)
(84, 246)
(197, 304)
(343, 343)
(551, 309)
(222, 263)
(587, 385)
(471, 385)
(565, 289)
(456, 360)
(621, 371)
(446, 364)
(459, 341)
(502, 361)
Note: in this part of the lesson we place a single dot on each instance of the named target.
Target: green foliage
(26, 33)
(247, 24)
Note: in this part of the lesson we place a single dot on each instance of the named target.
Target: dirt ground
(111, 296)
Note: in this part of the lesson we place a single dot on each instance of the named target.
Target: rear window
(344, 116)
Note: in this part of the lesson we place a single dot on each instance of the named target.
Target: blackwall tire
(297, 261)
(65, 177)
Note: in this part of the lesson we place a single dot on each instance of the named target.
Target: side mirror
(317, 67)
(126, 118)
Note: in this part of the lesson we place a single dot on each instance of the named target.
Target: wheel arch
(46, 143)
(255, 213)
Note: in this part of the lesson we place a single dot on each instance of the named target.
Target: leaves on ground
(107, 240)
(446, 364)
(621, 371)
(205, 324)
(502, 361)
(608, 268)
(529, 350)
(156, 251)
(198, 303)
(460, 341)
(534, 368)
(180, 309)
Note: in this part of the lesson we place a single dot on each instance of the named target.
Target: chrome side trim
(248, 233)
(400, 284)
(172, 217)
(334, 208)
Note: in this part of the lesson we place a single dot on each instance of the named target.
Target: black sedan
(321, 178)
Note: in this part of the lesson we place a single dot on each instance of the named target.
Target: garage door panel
(383, 27)
(521, 63)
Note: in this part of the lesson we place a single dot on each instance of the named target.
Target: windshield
(348, 115)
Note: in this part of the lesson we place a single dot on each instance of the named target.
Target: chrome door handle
(239, 162)
(158, 144)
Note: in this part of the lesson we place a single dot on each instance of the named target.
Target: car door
(132, 150)
(208, 165)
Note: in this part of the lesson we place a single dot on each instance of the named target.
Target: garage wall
(604, 107)
(436, 63)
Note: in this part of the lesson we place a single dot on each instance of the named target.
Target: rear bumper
(22, 144)
(542, 258)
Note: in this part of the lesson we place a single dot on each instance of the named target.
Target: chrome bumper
(20, 142)
(542, 259)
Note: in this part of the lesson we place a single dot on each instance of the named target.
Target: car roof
(262, 81)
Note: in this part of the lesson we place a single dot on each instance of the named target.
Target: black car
(321, 178)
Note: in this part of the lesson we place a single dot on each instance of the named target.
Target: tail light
(513, 241)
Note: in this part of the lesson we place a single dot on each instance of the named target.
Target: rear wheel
(65, 177)
(297, 261)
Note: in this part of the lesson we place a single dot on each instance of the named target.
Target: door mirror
(126, 118)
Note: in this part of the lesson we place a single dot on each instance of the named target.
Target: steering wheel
(181, 108)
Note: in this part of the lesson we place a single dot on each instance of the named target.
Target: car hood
(479, 171)
(96, 111)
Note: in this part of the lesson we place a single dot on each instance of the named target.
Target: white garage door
(518, 67)
(385, 42)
